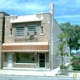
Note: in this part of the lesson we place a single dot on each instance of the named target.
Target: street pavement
(4, 77)
(37, 73)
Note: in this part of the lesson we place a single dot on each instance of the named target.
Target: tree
(73, 35)
(61, 47)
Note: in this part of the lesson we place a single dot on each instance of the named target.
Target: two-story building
(30, 41)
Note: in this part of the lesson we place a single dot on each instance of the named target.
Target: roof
(28, 18)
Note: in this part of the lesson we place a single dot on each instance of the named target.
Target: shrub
(63, 67)
(76, 65)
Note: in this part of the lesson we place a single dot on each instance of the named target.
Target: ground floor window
(25, 57)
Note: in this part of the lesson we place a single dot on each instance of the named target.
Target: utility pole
(51, 35)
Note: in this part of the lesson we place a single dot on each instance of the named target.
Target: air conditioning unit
(31, 35)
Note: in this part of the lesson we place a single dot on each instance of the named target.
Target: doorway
(9, 60)
(42, 60)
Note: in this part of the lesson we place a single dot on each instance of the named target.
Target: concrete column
(51, 36)
(9, 60)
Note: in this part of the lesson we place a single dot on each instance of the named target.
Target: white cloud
(23, 6)
(38, 5)
(67, 16)
(63, 8)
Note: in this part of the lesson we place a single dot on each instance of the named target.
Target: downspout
(51, 36)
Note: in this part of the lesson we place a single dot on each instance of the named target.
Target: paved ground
(27, 73)
(37, 73)
(34, 78)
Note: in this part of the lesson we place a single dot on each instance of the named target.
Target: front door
(42, 60)
(9, 60)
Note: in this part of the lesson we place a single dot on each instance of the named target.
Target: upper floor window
(20, 31)
(32, 30)
(10, 31)
(41, 30)
(31, 34)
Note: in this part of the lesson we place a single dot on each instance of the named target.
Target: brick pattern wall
(19, 65)
(2, 25)
(56, 57)
(40, 38)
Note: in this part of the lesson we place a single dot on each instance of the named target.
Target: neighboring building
(27, 42)
(2, 28)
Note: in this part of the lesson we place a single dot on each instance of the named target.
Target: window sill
(19, 37)
(26, 63)
(42, 34)
(10, 35)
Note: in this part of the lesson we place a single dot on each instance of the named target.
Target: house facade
(30, 41)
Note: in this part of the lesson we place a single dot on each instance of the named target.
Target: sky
(64, 10)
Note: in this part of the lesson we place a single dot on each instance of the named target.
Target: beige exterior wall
(40, 38)
(27, 65)
(2, 25)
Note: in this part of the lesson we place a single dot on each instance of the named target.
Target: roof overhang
(26, 47)
(29, 18)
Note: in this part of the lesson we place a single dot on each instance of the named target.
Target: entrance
(9, 60)
(42, 60)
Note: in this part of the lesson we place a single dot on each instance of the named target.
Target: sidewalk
(37, 73)
(26, 73)
(29, 72)
(75, 75)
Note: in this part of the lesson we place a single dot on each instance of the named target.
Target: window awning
(26, 47)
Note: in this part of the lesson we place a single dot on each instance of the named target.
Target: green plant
(64, 67)
(76, 65)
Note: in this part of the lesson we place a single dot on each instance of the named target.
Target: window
(41, 30)
(11, 31)
(31, 30)
(25, 57)
(20, 31)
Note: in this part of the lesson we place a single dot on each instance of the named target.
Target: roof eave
(24, 21)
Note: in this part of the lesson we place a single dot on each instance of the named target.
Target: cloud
(64, 10)
(68, 16)
(71, 19)
(24, 5)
